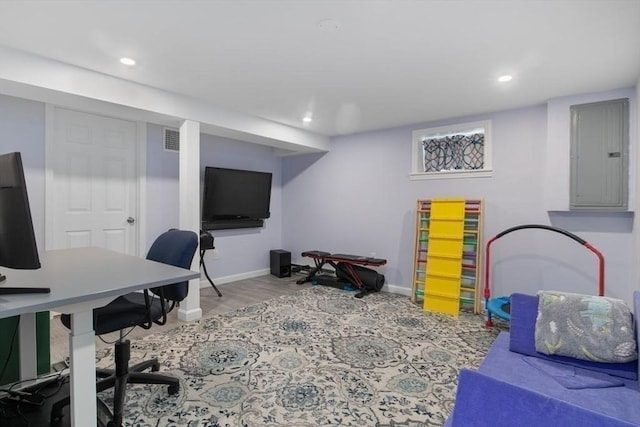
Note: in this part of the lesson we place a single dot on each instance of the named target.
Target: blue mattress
(508, 391)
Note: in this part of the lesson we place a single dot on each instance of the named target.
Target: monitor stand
(8, 290)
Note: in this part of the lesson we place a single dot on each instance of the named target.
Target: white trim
(204, 283)
(49, 129)
(480, 173)
(438, 135)
(141, 145)
(453, 129)
(37, 78)
(190, 315)
(396, 289)
(189, 209)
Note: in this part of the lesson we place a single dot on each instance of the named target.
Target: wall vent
(171, 140)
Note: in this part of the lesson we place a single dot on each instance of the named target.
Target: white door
(94, 183)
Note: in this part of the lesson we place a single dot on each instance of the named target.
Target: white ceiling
(389, 63)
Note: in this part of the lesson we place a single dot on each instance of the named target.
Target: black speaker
(280, 263)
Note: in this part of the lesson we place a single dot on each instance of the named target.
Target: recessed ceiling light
(505, 78)
(307, 119)
(329, 25)
(127, 61)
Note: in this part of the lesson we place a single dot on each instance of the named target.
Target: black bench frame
(348, 263)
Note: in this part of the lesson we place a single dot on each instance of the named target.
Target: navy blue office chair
(174, 247)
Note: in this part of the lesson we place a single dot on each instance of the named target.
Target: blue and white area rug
(318, 357)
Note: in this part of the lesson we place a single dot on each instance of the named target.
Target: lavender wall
(242, 252)
(161, 186)
(358, 199)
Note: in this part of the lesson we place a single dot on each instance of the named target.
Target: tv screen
(17, 240)
(234, 194)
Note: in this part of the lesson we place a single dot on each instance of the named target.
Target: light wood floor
(234, 295)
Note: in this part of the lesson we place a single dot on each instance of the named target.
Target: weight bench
(350, 267)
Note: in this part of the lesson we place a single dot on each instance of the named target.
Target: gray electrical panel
(600, 156)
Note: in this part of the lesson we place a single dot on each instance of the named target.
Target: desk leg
(28, 358)
(82, 350)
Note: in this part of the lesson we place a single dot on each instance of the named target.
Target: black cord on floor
(297, 268)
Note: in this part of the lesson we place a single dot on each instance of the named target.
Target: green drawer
(10, 355)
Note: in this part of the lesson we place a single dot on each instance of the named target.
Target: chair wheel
(155, 367)
(173, 389)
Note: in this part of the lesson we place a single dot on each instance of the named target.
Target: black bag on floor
(371, 279)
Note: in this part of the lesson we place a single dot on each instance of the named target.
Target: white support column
(190, 209)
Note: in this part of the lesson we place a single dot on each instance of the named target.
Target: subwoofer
(280, 262)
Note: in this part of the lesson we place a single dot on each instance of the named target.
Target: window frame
(417, 153)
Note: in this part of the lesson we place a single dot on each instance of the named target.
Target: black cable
(153, 301)
(13, 340)
(119, 338)
(44, 378)
(61, 381)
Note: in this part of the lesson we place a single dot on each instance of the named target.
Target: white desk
(80, 280)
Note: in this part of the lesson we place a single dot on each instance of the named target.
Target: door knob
(131, 220)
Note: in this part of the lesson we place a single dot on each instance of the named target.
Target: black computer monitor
(18, 249)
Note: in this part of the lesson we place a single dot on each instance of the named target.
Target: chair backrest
(174, 247)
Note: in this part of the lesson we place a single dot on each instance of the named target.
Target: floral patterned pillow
(598, 329)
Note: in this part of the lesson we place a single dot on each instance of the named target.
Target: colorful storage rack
(447, 258)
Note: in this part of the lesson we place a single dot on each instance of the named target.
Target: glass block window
(455, 151)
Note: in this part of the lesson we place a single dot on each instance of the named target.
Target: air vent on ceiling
(171, 140)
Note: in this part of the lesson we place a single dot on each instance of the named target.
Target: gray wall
(358, 199)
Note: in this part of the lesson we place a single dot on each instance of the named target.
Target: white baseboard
(395, 289)
(204, 283)
(190, 315)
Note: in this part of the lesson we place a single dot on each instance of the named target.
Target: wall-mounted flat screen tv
(235, 195)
